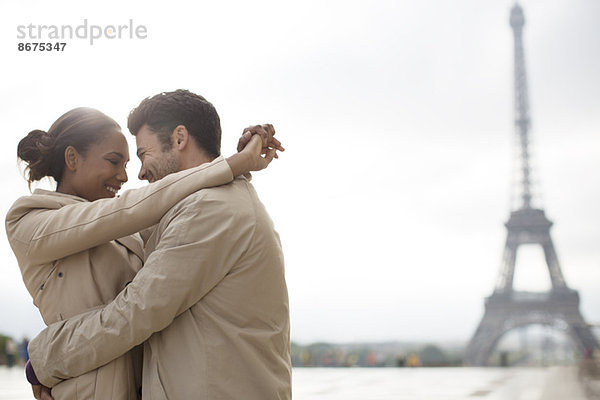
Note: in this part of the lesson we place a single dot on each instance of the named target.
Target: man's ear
(72, 158)
(181, 137)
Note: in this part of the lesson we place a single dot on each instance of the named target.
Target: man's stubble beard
(169, 164)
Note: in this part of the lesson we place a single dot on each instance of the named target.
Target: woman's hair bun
(33, 149)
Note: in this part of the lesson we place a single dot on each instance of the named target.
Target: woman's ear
(71, 158)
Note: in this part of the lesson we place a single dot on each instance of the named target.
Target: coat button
(60, 274)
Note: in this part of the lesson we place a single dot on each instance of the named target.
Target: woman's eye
(113, 162)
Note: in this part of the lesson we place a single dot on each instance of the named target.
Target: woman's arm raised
(44, 234)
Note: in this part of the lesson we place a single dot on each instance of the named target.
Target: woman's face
(101, 172)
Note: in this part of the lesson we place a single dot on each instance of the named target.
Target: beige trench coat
(211, 298)
(70, 264)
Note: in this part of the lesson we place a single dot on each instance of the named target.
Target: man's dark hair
(164, 111)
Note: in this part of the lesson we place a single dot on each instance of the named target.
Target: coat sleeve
(48, 234)
(196, 251)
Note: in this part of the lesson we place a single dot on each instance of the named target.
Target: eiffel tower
(506, 308)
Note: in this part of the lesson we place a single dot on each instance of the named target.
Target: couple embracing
(175, 290)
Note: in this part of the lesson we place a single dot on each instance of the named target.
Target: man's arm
(199, 246)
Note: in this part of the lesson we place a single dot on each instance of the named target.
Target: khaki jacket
(70, 263)
(211, 301)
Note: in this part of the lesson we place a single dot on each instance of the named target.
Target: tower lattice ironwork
(507, 308)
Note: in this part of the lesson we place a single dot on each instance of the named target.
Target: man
(211, 301)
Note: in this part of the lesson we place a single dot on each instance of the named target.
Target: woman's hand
(257, 147)
(266, 132)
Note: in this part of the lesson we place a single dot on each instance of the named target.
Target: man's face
(156, 163)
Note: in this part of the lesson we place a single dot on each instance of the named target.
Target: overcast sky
(397, 117)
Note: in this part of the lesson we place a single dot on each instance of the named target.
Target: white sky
(397, 116)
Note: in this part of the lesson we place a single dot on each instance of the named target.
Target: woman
(77, 247)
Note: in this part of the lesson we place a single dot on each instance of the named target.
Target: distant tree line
(373, 355)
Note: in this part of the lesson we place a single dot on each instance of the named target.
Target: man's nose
(142, 174)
